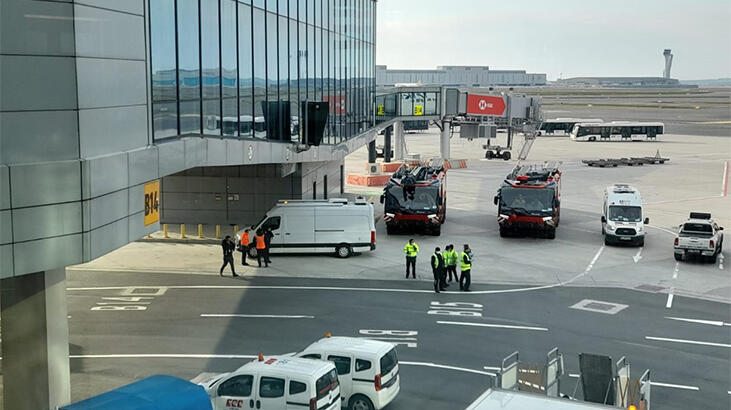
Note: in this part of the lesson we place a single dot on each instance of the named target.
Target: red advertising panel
(337, 103)
(485, 105)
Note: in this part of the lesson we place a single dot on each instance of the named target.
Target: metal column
(399, 143)
(387, 149)
(444, 140)
(372, 152)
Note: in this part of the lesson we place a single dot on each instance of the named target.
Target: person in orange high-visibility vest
(261, 248)
(244, 246)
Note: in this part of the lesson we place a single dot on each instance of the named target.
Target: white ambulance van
(318, 226)
(276, 383)
(622, 220)
(368, 370)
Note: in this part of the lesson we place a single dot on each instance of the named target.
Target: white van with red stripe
(368, 370)
(276, 383)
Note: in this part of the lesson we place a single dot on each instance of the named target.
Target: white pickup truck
(699, 236)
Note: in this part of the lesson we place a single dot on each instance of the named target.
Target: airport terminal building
(106, 104)
(458, 76)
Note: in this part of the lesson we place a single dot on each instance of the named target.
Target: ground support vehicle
(614, 162)
(550, 126)
(276, 383)
(622, 216)
(627, 130)
(318, 226)
(416, 198)
(699, 236)
(529, 199)
(368, 370)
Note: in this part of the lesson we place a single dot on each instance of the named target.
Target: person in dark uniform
(228, 246)
(438, 270)
(261, 248)
(268, 235)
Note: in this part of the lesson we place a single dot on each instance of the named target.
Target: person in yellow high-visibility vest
(465, 278)
(411, 249)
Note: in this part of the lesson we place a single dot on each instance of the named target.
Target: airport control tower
(668, 63)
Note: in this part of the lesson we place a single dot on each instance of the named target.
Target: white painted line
(677, 270)
(674, 386)
(638, 256)
(669, 303)
(162, 356)
(491, 325)
(492, 367)
(720, 260)
(690, 342)
(442, 366)
(257, 316)
(701, 321)
(574, 375)
(386, 338)
(593, 261)
(724, 182)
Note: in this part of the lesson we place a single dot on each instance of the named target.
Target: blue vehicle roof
(153, 393)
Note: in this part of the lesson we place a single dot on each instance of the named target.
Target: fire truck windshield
(412, 199)
(527, 201)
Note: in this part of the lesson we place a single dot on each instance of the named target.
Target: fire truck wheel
(437, 231)
(389, 230)
(503, 232)
(343, 250)
(489, 154)
(506, 155)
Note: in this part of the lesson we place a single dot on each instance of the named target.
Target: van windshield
(326, 383)
(625, 213)
(388, 362)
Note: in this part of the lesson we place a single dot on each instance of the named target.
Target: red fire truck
(416, 198)
(530, 200)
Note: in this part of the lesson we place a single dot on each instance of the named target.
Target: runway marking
(574, 375)
(690, 342)
(257, 316)
(677, 270)
(492, 367)
(386, 338)
(162, 356)
(638, 255)
(724, 182)
(599, 306)
(593, 261)
(701, 321)
(720, 260)
(669, 303)
(674, 386)
(662, 229)
(491, 325)
(442, 366)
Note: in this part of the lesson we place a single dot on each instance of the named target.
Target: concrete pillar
(372, 152)
(35, 341)
(444, 140)
(399, 142)
(387, 148)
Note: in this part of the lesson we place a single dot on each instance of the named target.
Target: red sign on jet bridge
(485, 105)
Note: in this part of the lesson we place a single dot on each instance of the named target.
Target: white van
(318, 226)
(367, 369)
(622, 216)
(276, 383)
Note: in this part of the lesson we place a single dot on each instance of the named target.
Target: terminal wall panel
(46, 221)
(106, 209)
(108, 130)
(172, 157)
(4, 188)
(194, 184)
(37, 83)
(42, 184)
(6, 227)
(102, 175)
(108, 238)
(143, 165)
(38, 136)
(111, 83)
(216, 153)
(136, 199)
(108, 34)
(127, 6)
(45, 254)
(235, 152)
(36, 28)
(137, 228)
(195, 152)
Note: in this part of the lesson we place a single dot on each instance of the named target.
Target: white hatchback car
(367, 369)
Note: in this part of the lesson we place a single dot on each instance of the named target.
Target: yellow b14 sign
(152, 202)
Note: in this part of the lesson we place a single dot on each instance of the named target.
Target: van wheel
(360, 402)
(343, 250)
(607, 241)
(641, 242)
(252, 252)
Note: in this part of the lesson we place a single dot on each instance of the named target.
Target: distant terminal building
(458, 76)
(647, 82)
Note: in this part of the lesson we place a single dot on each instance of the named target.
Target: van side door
(298, 395)
(270, 395)
(344, 367)
(235, 393)
(276, 224)
(299, 229)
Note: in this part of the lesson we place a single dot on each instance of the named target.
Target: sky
(562, 38)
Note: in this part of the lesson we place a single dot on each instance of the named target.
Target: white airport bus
(550, 126)
(626, 130)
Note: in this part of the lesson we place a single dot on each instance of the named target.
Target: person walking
(228, 246)
(438, 270)
(450, 260)
(465, 278)
(261, 248)
(268, 235)
(244, 246)
(411, 250)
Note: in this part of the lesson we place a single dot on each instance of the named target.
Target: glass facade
(226, 67)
